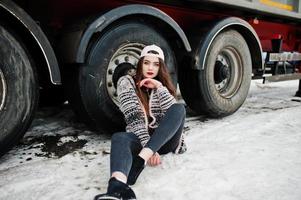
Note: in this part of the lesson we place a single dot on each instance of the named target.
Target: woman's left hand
(150, 83)
(154, 160)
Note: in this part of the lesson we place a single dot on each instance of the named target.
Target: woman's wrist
(159, 84)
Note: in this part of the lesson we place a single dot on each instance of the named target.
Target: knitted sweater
(134, 113)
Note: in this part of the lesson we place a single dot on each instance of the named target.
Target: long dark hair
(163, 76)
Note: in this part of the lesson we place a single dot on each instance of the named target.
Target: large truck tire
(113, 54)
(222, 86)
(18, 90)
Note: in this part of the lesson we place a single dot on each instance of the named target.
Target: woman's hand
(154, 160)
(150, 83)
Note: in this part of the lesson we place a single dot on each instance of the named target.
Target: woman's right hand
(150, 83)
(154, 160)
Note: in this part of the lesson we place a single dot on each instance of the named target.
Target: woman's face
(150, 66)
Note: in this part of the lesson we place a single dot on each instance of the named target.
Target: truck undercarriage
(213, 50)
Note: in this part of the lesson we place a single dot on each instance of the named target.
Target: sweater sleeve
(131, 109)
(165, 98)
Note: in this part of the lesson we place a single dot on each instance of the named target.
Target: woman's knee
(122, 136)
(179, 108)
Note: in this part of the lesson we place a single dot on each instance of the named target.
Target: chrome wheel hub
(128, 53)
(228, 71)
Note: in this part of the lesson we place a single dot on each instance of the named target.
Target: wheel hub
(123, 61)
(3, 89)
(221, 72)
(121, 70)
(225, 72)
(228, 72)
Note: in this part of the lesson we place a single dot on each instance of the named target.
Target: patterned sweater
(135, 115)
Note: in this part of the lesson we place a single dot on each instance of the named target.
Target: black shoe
(117, 190)
(137, 167)
(106, 197)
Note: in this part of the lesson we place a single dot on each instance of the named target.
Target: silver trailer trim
(285, 56)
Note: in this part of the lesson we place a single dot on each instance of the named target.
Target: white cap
(152, 50)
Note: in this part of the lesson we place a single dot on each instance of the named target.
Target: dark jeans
(165, 139)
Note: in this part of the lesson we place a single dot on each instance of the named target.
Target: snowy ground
(254, 154)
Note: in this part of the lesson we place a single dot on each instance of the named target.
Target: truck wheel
(116, 52)
(222, 86)
(18, 90)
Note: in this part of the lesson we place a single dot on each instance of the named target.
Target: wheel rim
(128, 53)
(228, 72)
(2, 90)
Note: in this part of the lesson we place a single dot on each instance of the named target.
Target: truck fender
(108, 18)
(244, 28)
(23, 19)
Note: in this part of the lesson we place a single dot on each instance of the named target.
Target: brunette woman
(154, 122)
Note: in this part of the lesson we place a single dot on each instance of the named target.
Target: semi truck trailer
(52, 51)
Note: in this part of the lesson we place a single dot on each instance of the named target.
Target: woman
(154, 123)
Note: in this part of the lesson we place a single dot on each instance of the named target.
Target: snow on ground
(254, 154)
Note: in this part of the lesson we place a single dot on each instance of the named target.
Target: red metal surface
(269, 30)
(65, 11)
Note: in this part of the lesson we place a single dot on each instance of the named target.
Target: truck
(57, 50)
